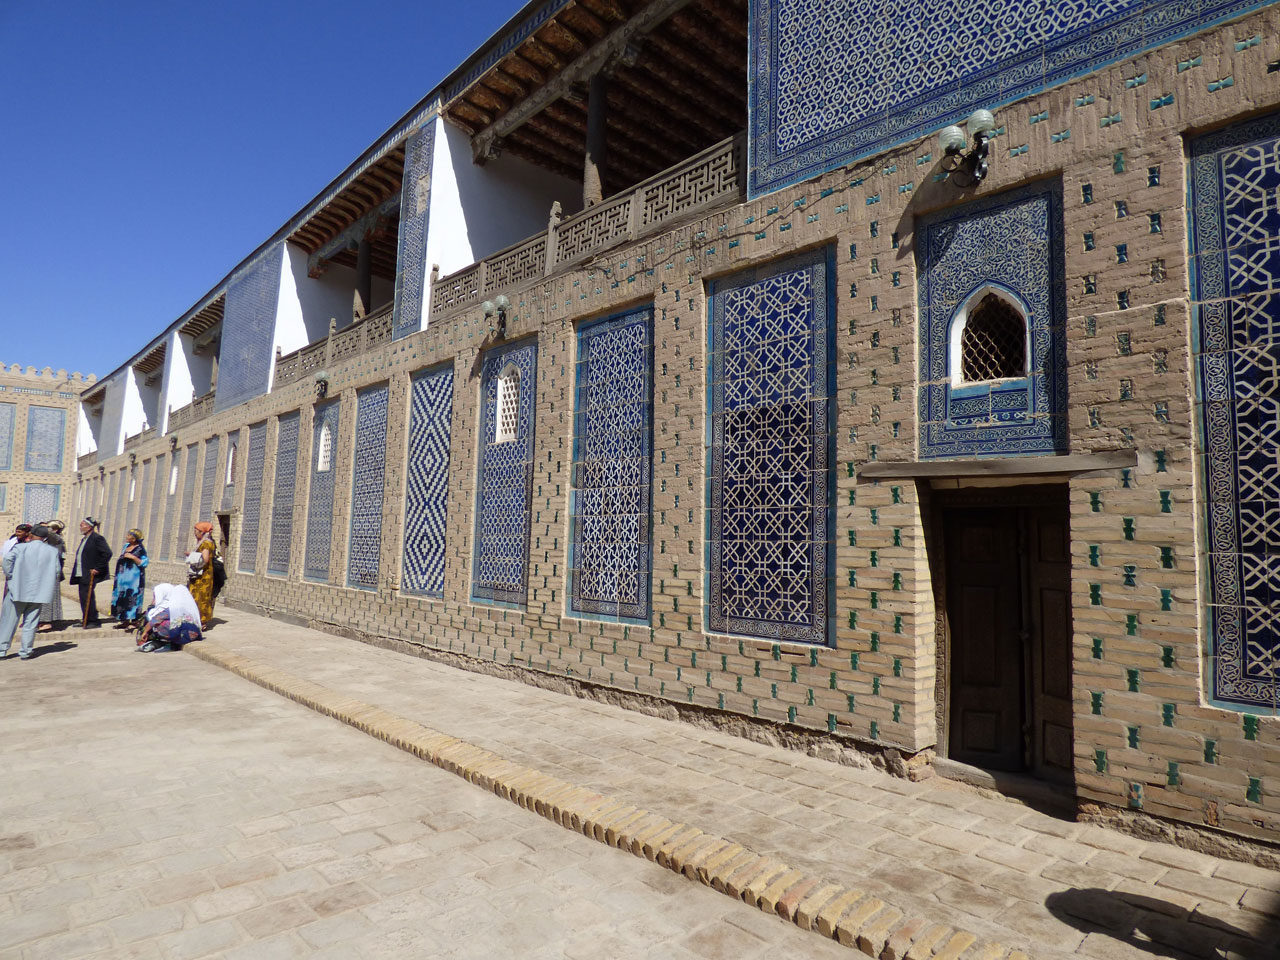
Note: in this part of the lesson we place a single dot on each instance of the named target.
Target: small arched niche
(507, 420)
(989, 339)
(231, 466)
(324, 450)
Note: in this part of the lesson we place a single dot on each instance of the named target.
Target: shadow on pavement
(60, 647)
(1159, 927)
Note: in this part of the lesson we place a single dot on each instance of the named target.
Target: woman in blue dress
(131, 581)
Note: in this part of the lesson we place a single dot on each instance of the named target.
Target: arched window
(324, 450)
(133, 487)
(992, 341)
(173, 479)
(231, 465)
(508, 418)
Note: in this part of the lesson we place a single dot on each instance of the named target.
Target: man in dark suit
(90, 568)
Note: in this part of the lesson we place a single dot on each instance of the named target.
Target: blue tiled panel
(40, 502)
(415, 194)
(609, 548)
(157, 494)
(170, 506)
(836, 80)
(247, 553)
(46, 437)
(4, 496)
(426, 508)
(1013, 242)
(246, 356)
(8, 418)
(320, 507)
(144, 487)
(366, 487)
(229, 487)
(500, 569)
(280, 547)
(184, 541)
(211, 449)
(117, 519)
(1235, 181)
(769, 482)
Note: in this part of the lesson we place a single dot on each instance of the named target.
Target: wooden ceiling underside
(206, 318)
(680, 88)
(153, 360)
(366, 193)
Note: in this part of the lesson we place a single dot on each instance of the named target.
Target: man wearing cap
(31, 571)
(90, 568)
(20, 534)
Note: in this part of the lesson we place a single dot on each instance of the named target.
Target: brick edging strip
(852, 917)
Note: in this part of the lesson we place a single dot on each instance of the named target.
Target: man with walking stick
(90, 568)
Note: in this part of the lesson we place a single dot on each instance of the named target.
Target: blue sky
(146, 148)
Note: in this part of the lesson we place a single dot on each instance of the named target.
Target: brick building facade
(827, 437)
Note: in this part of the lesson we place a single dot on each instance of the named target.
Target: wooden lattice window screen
(993, 345)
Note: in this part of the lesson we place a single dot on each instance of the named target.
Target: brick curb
(850, 916)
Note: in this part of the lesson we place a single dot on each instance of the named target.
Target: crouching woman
(173, 621)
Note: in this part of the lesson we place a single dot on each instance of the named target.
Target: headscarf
(176, 603)
(57, 526)
(204, 527)
(135, 533)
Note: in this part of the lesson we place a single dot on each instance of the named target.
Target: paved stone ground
(1047, 885)
(156, 806)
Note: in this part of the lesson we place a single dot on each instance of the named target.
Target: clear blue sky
(147, 147)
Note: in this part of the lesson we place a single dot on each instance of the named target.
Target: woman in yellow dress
(200, 576)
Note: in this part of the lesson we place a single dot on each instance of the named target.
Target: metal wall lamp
(969, 168)
(497, 307)
(322, 384)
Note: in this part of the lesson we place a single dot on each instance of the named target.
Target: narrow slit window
(508, 405)
(231, 466)
(173, 479)
(993, 345)
(324, 450)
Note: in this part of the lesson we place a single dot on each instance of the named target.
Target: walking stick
(84, 622)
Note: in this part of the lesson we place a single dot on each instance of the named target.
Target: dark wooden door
(1008, 585)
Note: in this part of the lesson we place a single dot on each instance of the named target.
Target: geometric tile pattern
(248, 330)
(4, 494)
(157, 497)
(771, 391)
(1010, 243)
(233, 467)
(251, 522)
(210, 478)
(279, 547)
(184, 542)
(170, 506)
(837, 80)
(46, 436)
(143, 487)
(415, 195)
(1236, 292)
(505, 488)
(427, 482)
(367, 487)
(8, 417)
(40, 502)
(320, 509)
(609, 546)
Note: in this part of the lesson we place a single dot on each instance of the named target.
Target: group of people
(33, 561)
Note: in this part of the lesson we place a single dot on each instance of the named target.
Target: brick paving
(1043, 884)
(154, 806)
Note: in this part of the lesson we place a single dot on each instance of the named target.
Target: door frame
(935, 502)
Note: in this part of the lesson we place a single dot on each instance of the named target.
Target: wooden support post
(364, 279)
(594, 160)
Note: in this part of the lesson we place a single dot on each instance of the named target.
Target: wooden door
(1048, 583)
(984, 610)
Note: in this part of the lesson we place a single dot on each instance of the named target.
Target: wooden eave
(153, 359)
(206, 318)
(363, 195)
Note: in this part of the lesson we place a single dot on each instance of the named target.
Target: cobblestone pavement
(156, 806)
(1047, 885)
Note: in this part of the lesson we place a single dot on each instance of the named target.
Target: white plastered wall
(306, 304)
(86, 442)
(176, 389)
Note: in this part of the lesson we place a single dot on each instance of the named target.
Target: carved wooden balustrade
(709, 179)
(197, 409)
(350, 341)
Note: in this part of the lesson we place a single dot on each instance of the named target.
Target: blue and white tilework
(251, 523)
(40, 502)
(610, 550)
(279, 548)
(246, 356)
(229, 486)
(210, 478)
(1235, 177)
(320, 507)
(170, 507)
(836, 80)
(1011, 242)
(367, 487)
(500, 569)
(769, 483)
(411, 253)
(4, 496)
(8, 418)
(184, 542)
(46, 437)
(426, 510)
(158, 490)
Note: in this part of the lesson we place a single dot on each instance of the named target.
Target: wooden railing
(139, 438)
(196, 410)
(711, 178)
(363, 335)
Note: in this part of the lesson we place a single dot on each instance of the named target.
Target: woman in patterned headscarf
(51, 612)
(131, 581)
(200, 572)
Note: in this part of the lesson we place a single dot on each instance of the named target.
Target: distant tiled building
(687, 352)
(39, 419)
